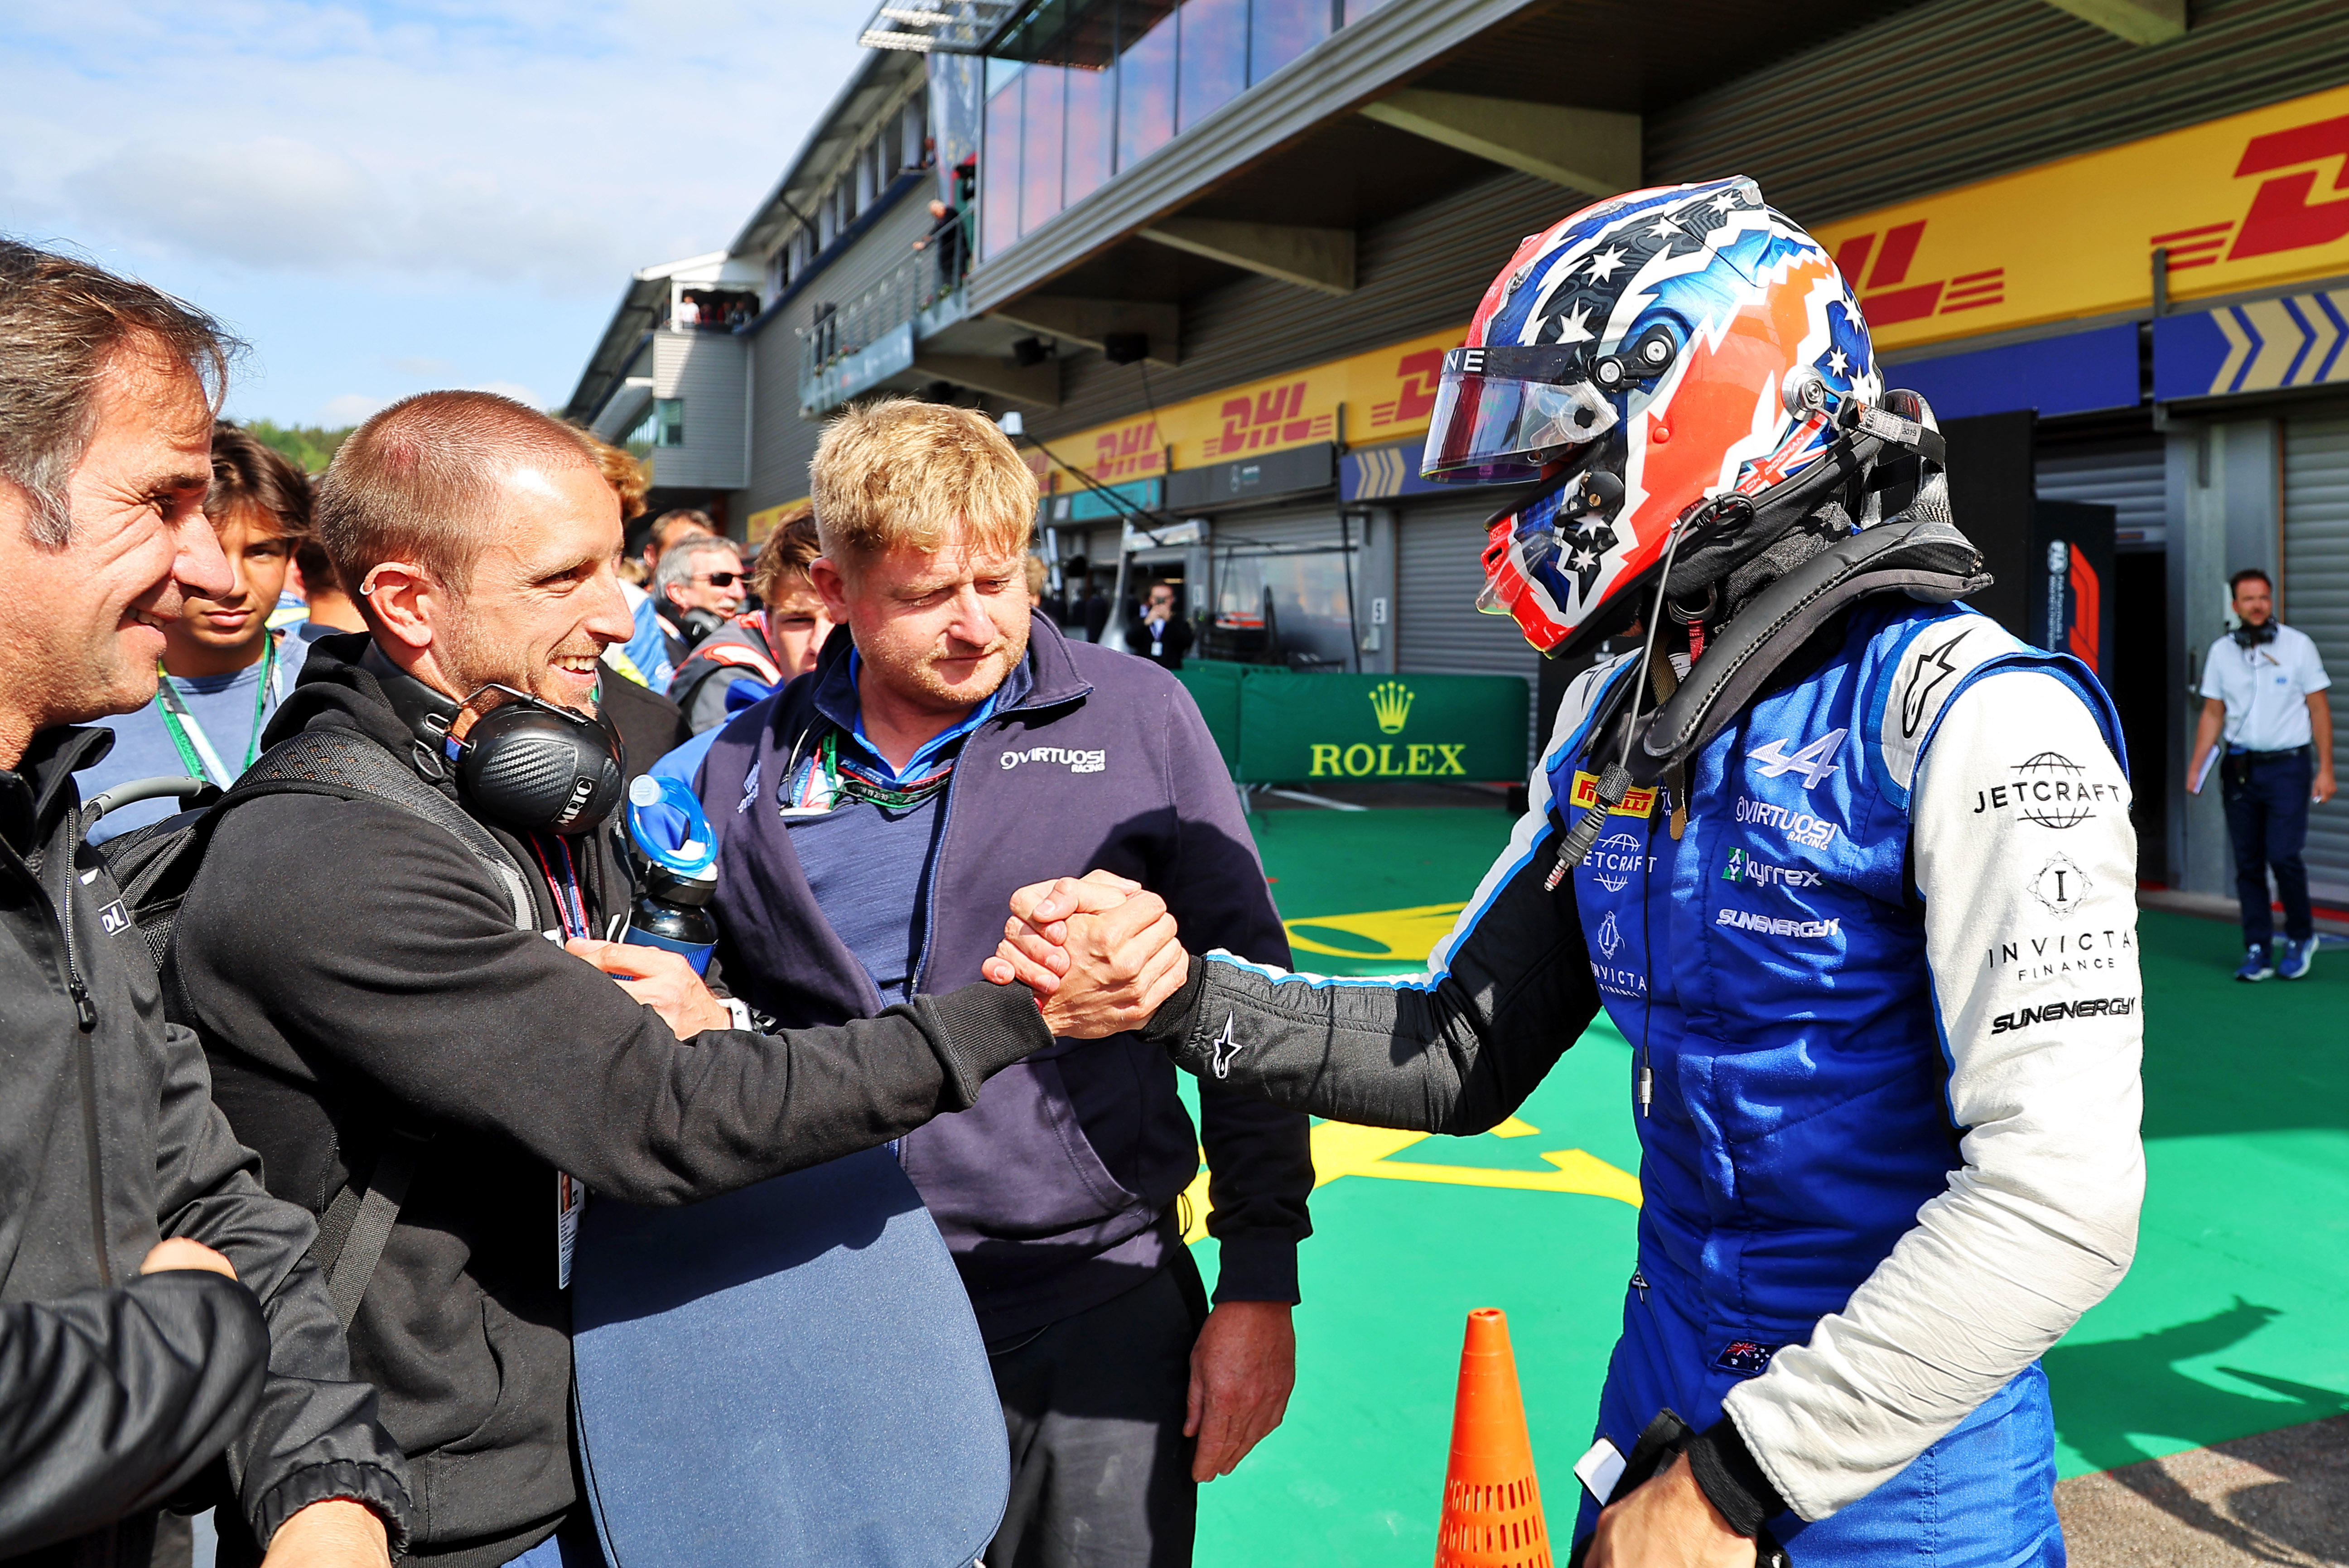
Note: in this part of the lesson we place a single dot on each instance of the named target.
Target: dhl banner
(2239, 204)
(1371, 397)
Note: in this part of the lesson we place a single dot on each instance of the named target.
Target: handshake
(1099, 952)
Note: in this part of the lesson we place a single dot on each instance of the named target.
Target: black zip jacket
(354, 971)
(116, 1390)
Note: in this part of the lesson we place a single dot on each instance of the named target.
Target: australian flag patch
(1744, 1358)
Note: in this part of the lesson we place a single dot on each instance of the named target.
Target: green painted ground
(2229, 1324)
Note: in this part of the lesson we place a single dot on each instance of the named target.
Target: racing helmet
(1682, 355)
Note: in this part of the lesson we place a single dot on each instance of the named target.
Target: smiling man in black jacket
(410, 1001)
(156, 1310)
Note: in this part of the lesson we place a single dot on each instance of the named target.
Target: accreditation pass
(570, 1202)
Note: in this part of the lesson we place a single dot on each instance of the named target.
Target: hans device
(677, 861)
(535, 766)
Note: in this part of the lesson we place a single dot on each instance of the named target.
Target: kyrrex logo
(1753, 869)
(1390, 702)
(1814, 762)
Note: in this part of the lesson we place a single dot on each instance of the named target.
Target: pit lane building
(1212, 250)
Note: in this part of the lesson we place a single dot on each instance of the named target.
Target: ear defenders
(538, 767)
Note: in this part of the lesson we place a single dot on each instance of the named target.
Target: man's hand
(178, 1252)
(1032, 949)
(1668, 1523)
(335, 1533)
(2324, 790)
(1099, 952)
(1242, 1369)
(659, 979)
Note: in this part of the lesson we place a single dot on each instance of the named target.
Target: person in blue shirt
(2264, 685)
(223, 670)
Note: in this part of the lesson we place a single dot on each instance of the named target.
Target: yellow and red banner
(2240, 204)
(1385, 393)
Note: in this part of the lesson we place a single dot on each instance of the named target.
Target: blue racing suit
(1875, 954)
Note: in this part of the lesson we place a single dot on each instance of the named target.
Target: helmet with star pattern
(1649, 357)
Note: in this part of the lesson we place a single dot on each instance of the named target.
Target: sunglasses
(719, 579)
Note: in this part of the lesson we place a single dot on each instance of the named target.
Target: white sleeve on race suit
(2030, 934)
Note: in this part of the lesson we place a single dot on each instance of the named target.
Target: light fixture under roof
(945, 27)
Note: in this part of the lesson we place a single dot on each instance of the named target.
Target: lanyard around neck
(188, 737)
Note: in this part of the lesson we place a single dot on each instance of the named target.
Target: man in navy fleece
(876, 817)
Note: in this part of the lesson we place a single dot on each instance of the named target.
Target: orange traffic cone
(1492, 1505)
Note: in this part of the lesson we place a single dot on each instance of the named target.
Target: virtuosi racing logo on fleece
(1076, 761)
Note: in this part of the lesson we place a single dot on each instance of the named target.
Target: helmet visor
(1495, 428)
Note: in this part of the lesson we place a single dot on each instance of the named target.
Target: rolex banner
(1310, 729)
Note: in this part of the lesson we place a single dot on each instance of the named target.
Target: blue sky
(383, 198)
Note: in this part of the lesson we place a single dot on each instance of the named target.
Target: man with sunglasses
(699, 586)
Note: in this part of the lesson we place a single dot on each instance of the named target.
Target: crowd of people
(300, 1179)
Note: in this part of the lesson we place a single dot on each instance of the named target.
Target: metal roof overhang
(624, 338)
(879, 74)
(1293, 152)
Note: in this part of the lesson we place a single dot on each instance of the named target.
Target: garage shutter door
(2131, 481)
(1439, 572)
(2316, 600)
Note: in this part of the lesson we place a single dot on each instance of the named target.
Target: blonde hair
(416, 482)
(630, 480)
(902, 474)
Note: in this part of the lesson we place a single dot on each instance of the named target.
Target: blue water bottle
(677, 860)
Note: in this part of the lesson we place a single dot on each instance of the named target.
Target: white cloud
(385, 195)
(349, 409)
(506, 141)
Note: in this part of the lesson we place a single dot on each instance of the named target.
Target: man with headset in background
(2264, 684)
(416, 1037)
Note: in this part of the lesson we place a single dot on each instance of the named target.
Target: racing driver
(1850, 867)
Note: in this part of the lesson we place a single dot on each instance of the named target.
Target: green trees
(312, 446)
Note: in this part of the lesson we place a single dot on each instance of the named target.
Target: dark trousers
(1101, 1471)
(2267, 820)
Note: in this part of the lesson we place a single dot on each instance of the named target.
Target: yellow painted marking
(1404, 935)
(1342, 1149)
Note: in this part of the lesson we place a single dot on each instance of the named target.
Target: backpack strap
(330, 760)
(356, 1226)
